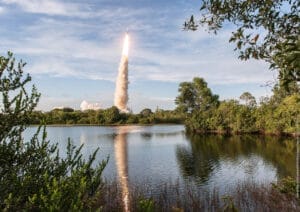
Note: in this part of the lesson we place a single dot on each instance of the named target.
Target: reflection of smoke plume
(122, 164)
(89, 106)
(121, 95)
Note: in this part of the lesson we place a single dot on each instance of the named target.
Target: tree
(146, 112)
(266, 29)
(195, 96)
(249, 99)
(186, 100)
(14, 112)
(225, 117)
(281, 91)
(111, 115)
(287, 113)
(198, 101)
(32, 174)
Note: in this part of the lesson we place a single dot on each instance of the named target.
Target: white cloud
(50, 7)
(2, 10)
(60, 49)
(87, 45)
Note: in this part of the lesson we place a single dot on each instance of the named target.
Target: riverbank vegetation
(200, 110)
(33, 176)
(264, 30)
(109, 116)
(173, 197)
(205, 113)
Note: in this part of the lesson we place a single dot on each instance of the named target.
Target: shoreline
(258, 132)
(199, 132)
(100, 125)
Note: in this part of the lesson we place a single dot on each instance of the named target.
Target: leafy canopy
(195, 96)
(263, 29)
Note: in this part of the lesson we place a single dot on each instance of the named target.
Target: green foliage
(109, 116)
(248, 99)
(197, 101)
(267, 30)
(146, 205)
(195, 96)
(229, 204)
(15, 110)
(279, 114)
(287, 185)
(204, 113)
(225, 117)
(32, 174)
(146, 112)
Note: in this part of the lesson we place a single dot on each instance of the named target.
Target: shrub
(33, 176)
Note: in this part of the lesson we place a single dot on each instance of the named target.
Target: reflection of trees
(198, 160)
(205, 152)
(149, 135)
(168, 134)
(146, 135)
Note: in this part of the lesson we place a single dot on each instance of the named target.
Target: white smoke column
(121, 92)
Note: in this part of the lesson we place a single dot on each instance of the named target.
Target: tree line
(200, 110)
(205, 113)
(109, 116)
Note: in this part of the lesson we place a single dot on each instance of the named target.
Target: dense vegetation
(33, 177)
(265, 30)
(205, 113)
(110, 116)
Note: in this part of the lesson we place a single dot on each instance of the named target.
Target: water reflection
(120, 146)
(223, 158)
(164, 153)
(146, 136)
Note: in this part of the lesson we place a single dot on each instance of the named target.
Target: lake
(159, 154)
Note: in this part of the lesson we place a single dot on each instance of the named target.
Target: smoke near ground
(89, 106)
(121, 92)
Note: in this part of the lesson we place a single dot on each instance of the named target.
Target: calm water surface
(160, 154)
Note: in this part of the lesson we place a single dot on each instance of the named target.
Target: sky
(73, 49)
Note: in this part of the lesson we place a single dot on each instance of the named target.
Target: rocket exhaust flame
(121, 92)
(126, 45)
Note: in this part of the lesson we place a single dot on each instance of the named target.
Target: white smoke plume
(89, 106)
(121, 92)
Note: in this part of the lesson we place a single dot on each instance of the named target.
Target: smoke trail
(121, 92)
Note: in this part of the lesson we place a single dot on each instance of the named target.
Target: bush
(32, 174)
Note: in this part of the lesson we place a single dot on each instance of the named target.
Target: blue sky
(73, 49)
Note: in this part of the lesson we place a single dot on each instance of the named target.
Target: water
(155, 155)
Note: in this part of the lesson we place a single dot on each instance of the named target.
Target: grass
(173, 197)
